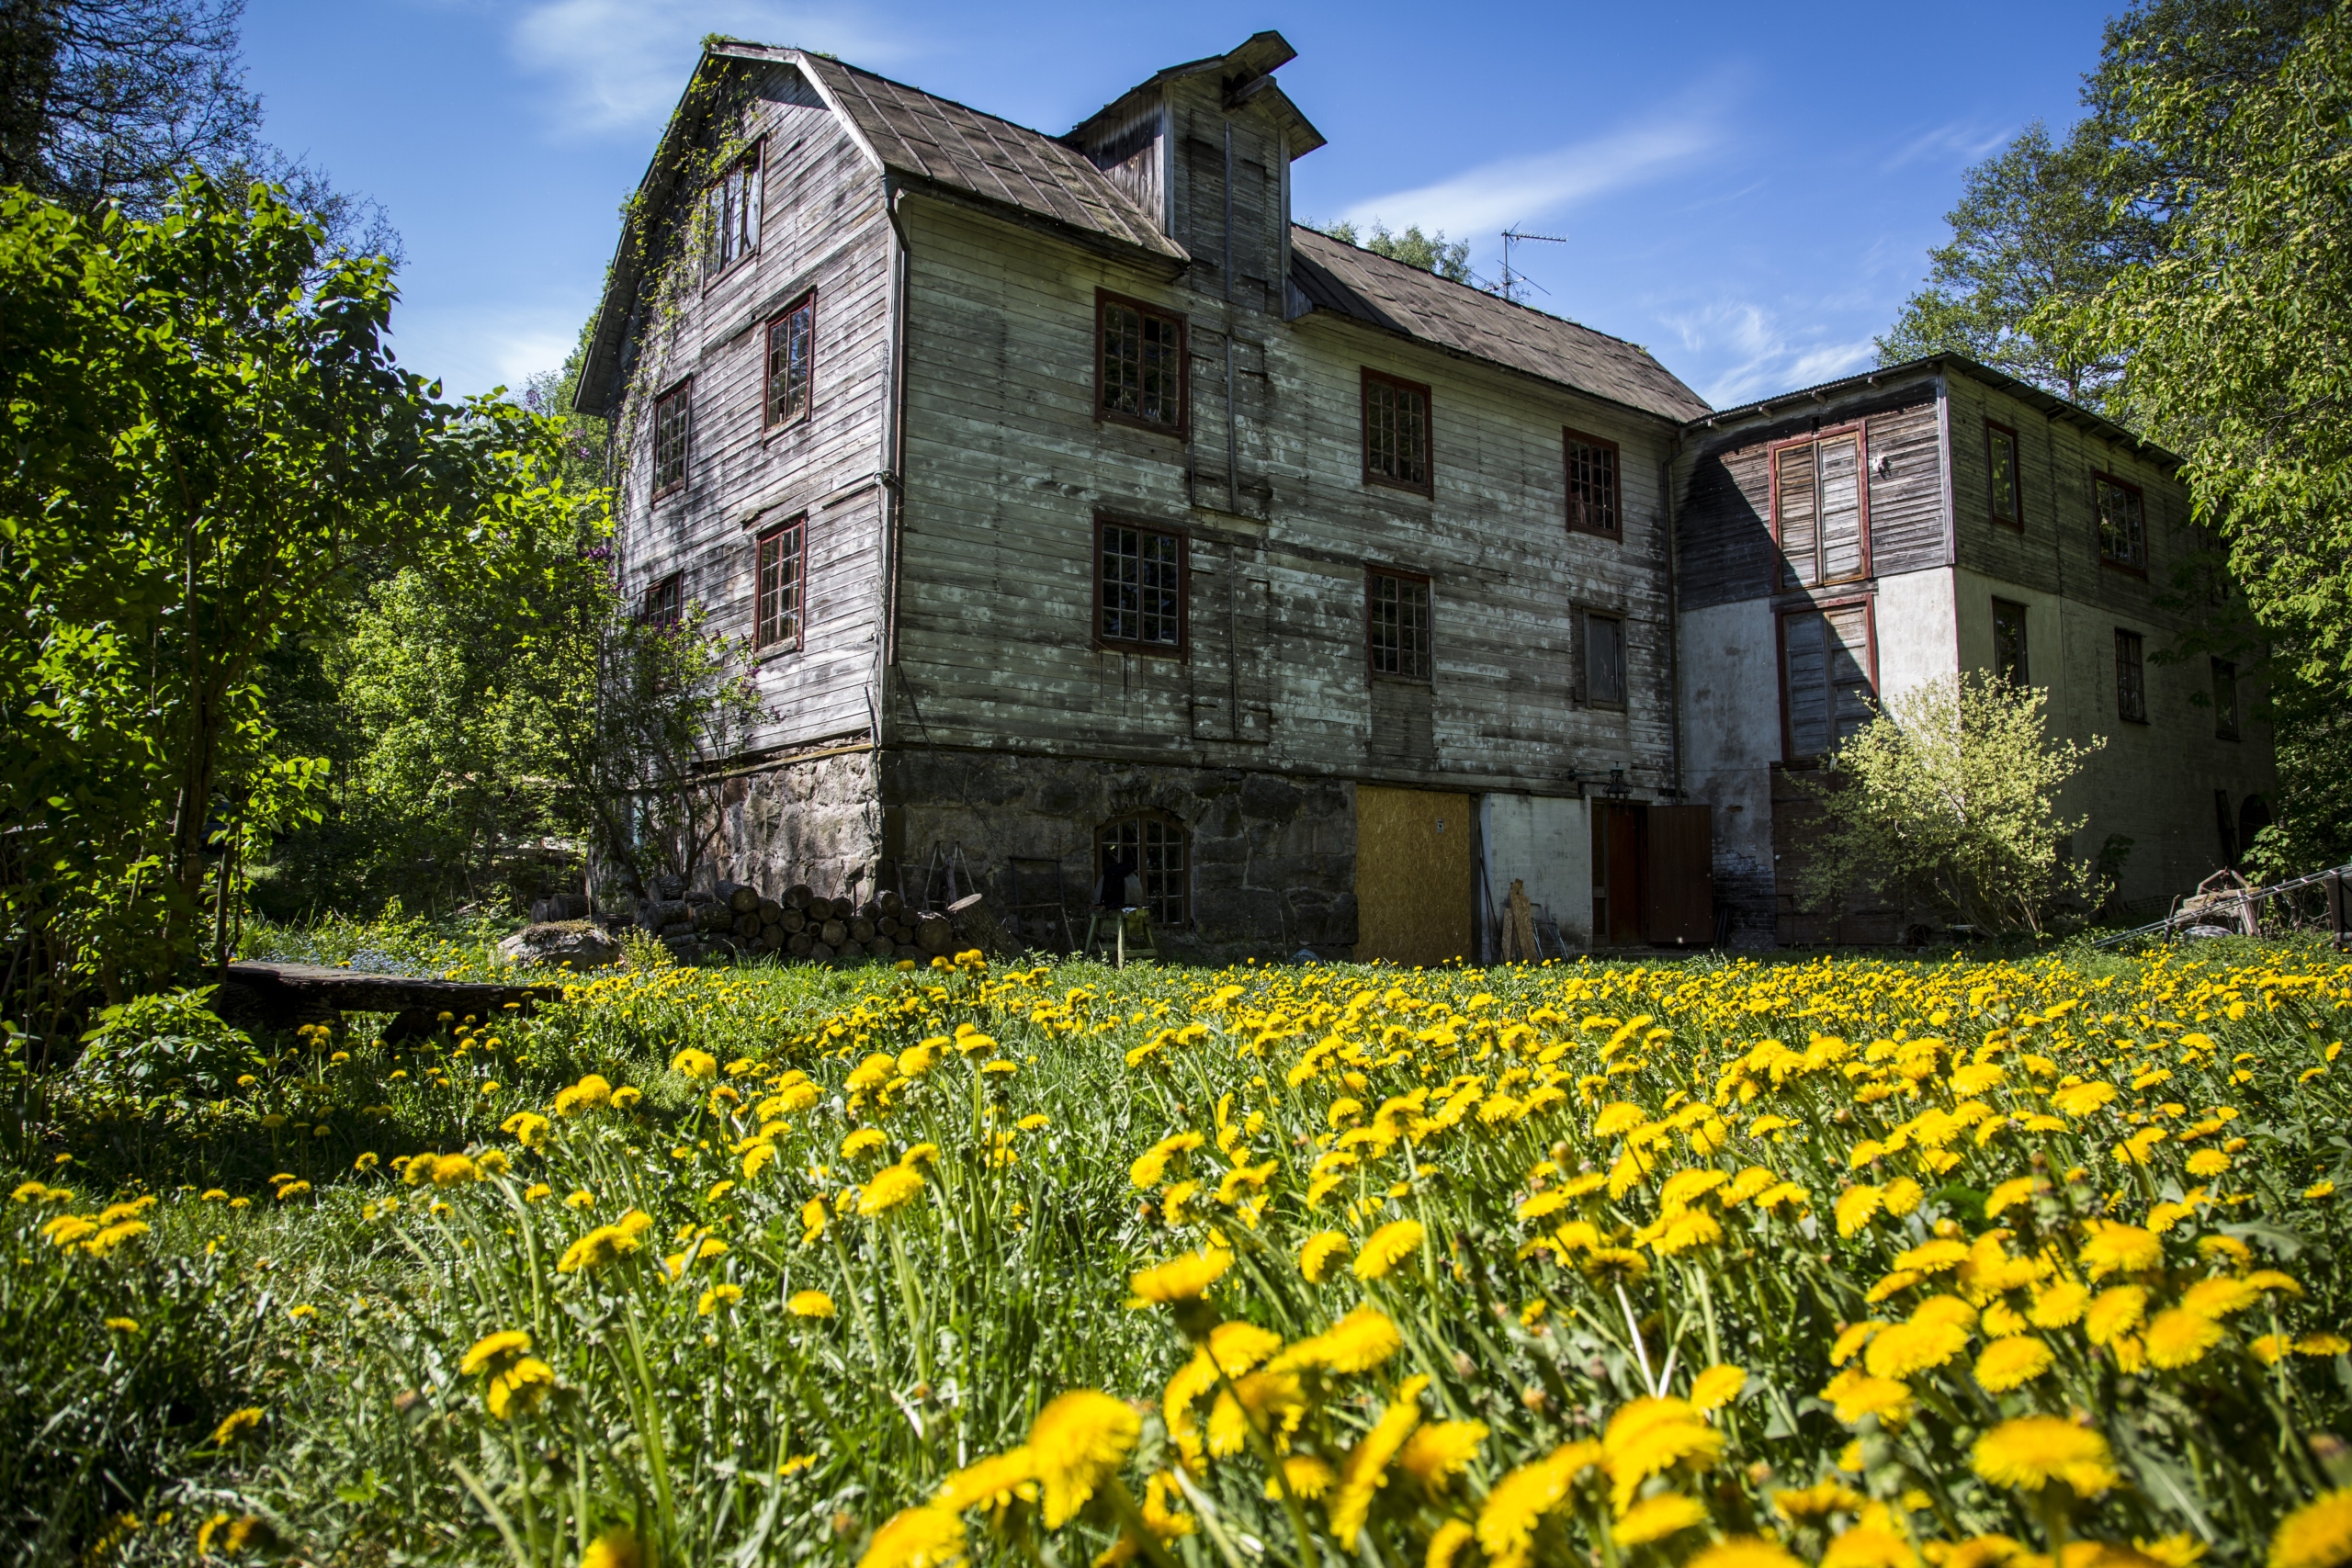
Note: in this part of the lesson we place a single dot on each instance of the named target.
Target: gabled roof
(1418, 304)
(1249, 78)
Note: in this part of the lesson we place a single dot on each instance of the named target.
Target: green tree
(1430, 253)
(1950, 794)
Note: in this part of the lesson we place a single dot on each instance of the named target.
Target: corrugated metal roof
(1418, 304)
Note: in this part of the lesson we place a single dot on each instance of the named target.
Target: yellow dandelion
(1180, 1279)
(718, 1296)
(1869, 1544)
(888, 1189)
(1076, 1443)
(1319, 1252)
(864, 1141)
(1743, 1551)
(810, 1304)
(236, 1424)
(517, 1387)
(1446, 1543)
(1716, 1387)
(1854, 1394)
(2177, 1337)
(2317, 1535)
(2121, 1249)
(617, 1548)
(1654, 1519)
(2030, 1451)
(1439, 1451)
(2113, 1313)
(494, 1351)
(1357, 1343)
(1387, 1248)
(2012, 1363)
(994, 1483)
(694, 1063)
(2058, 1305)
(921, 1537)
(1907, 1349)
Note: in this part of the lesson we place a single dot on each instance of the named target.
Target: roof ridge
(1475, 289)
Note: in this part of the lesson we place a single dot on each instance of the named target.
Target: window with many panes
(1140, 364)
(2122, 523)
(1820, 510)
(2008, 642)
(791, 366)
(1592, 484)
(1398, 622)
(672, 413)
(1140, 588)
(2001, 472)
(2225, 699)
(1826, 679)
(2130, 677)
(1604, 661)
(782, 562)
(1150, 847)
(731, 215)
(665, 603)
(1396, 432)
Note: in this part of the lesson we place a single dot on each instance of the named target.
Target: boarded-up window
(1140, 366)
(2122, 523)
(1819, 511)
(777, 610)
(2008, 642)
(2001, 469)
(672, 416)
(665, 603)
(2130, 677)
(1604, 662)
(791, 366)
(1825, 674)
(1592, 484)
(2225, 699)
(1150, 847)
(731, 215)
(1399, 625)
(1396, 432)
(1140, 588)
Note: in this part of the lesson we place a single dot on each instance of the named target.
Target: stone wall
(817, 821)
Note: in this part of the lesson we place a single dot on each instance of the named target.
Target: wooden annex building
(1083, 510)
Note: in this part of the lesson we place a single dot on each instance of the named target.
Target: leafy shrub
(159, 1049)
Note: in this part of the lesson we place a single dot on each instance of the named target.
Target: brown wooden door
(1680, 902)
(1413, 875)
(1617, 872)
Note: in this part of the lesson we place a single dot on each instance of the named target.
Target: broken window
(1149, 847)
(2225, 699)
(2122, 523)
(731, 215)
(792, 344)
(671, 414)
(782, 557)
(1399, 625)
(1140, 367)
(1396, 432)
(1819, 511)
(2130, 677)
(1604, 662)
(2001, 469)
(2008, 642)
(1140, 588)
(1825, 677)
(1592, 484)
(665, 603)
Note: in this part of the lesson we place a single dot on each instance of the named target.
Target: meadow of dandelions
(1728, 1265)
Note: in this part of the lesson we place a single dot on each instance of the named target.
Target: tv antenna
(1511, 280)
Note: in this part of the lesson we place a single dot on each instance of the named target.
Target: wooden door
(1413, 875)
(1679, 894)
(1618, 845)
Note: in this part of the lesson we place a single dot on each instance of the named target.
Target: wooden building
(1869, 535)
(1083, 509)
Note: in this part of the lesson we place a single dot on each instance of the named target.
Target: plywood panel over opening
(1413, 895)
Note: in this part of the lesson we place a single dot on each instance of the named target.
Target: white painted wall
(1731, 737)
(1917, 629)
(1545, 842)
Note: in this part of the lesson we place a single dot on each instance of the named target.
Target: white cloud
(1971, 142)
(620, 64)
(474, 348)
(1758, 355)
(1492, 197)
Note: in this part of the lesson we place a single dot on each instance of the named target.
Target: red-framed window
(1397, 432)
(1140, 587)
(665, 602)
(1398, 624)
(1155, 849)
(2130, 677)
(790, 374)
(1140, 364)
(1593, 504)
(2007, 487)
(673, 432)
(732, 214)
(1828, 675)
(2008, 643)
(1821, 509)
(2122, 523)
(781, 565)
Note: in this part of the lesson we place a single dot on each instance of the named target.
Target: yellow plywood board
(1413, 890)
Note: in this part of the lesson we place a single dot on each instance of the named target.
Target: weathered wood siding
(822, 228)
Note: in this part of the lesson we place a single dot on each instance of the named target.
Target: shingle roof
(1414, 303)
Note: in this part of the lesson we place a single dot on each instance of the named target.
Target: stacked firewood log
(801, 923)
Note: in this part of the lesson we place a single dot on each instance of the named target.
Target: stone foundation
(817, 821)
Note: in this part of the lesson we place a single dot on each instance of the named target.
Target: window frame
(663, 602)
(1869, 603)
(761, 644)
(1183, 648)
(1860, 430)
(753, 158)
(2230, 724)
(1373, 572)
(2139, 645)
(1569, 437)
(768, 425)
(1181, 429)
(1428, 487)
(682, 396)
(1183, 892)
(2015, 518)
(2023, 676)
(2099, 529)
(1586, 616)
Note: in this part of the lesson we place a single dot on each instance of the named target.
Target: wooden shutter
(1849, 640)
(1798, 519)
(1824, 670)
(1840, 469)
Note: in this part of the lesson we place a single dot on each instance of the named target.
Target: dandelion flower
(1439, 1451)
(718, 1296)
(1446, 1543)
(1306, 1475)
(1318, 1253)
(2030, 1451)
(1180, 1279)
(236, 1424)
(888, 1189)
(1654, 1519)
(2115, 1313)
(518, 1387)
(2220, 1296)
(1854, 1394)
(1076, 1443)
(1869, 1544)
(1907, 1349)
(123, 1325)
(923, 1536)
(1649, 1436)
(1855, 1207)
(617, 1548)
(993, 1483)
(694, 1063)
(2012, 1363)
(2177, 1337)
(2060, 1304)
(1716, 1387)
(2317, 1535)
(1516, 1504)
(2121, 1249)
(1387, 1248)
(810, 1304)
(1743, 1551)
(1357, 1343)
(494, 1351)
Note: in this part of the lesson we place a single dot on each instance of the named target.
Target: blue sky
(1748, 190)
